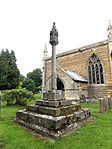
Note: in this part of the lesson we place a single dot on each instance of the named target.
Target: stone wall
(99, 90)
(77, 60)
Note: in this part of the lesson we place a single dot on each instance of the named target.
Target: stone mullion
(99, 74)
(95, 73)
(91, 75)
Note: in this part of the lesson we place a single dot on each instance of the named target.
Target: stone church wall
(100, 91)
(77, 61)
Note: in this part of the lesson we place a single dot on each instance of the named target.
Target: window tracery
(95, 70)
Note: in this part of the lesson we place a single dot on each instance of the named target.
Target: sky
(25, 26)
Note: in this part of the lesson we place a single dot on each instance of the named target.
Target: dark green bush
(17, 96)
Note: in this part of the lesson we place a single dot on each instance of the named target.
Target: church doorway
(60, 85)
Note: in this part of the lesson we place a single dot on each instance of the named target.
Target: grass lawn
(94, 135)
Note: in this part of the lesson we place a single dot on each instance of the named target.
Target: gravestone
(110, 102)
(105, 104)
(102, 105)
(53, 116)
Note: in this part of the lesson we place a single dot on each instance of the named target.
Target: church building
(85, 71)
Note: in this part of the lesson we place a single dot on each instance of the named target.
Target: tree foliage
(29, 84)
(36, 76)
(9, 73)
(21, 78)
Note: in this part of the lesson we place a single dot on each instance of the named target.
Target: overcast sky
(25, 26)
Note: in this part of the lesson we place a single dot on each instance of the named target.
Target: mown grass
(94, 135)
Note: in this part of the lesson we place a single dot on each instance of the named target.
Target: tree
(29, 84)
(9, 73)
(36, 76)
(21, 78)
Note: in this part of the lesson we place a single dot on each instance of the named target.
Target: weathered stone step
(59, 111)
(53, 103)
(51, 122)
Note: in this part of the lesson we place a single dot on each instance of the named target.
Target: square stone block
(50, 95)
(48, 103)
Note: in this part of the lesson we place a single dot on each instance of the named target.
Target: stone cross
(53, 42)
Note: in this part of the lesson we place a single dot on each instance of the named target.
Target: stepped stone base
(52, 120)
(53, 134)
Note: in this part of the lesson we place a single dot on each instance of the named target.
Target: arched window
(95, 70)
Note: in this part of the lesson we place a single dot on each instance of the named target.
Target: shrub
(17, 96)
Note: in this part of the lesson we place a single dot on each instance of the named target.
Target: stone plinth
(51, 95)
(53, 118)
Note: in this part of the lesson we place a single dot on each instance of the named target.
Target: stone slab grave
(53, 116)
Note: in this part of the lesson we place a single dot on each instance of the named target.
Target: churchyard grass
(94, 135)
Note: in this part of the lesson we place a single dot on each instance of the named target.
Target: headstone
(106, 104)
(110, 102)
(102, 105)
